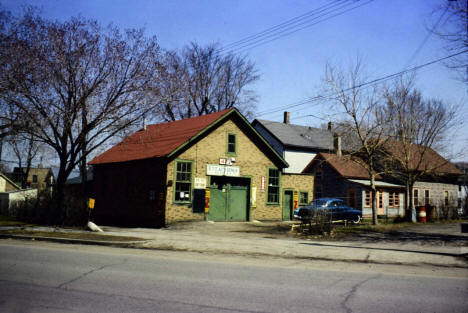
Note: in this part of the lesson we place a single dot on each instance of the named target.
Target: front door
(287, 205)
(380, 206)
(218, 203)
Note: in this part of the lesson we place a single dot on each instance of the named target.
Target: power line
(280, 26)
(372, 82)
(423, 43)
(290, 30)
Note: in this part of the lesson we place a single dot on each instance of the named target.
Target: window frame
(367, 197)
(276, 186)
(318, 191)
(416, 203)
(352, 193)
(396, 199)
(301, 193)
(229, 153)
(446, 198)
(427, 199)
(178, 161)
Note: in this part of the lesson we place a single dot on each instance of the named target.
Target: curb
(140, 245)
(122, 244)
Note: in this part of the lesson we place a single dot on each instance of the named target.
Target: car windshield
(319, 203)
(336, 204)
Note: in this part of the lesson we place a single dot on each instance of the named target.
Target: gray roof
(77, 179)
(299, 136)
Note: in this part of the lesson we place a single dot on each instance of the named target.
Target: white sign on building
(222, 170)
(200, 182)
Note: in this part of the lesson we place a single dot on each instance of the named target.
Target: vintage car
(335, 209)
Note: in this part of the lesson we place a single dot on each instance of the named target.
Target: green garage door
(228, 203)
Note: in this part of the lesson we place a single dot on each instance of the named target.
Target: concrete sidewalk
(222, 238)
(261, 240)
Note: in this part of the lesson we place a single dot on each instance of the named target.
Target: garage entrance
(229, 199)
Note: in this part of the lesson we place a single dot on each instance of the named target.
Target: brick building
(213, 167)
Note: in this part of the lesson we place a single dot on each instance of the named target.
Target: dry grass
(68, 235)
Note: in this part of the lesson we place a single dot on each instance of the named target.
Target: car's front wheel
(356, 219)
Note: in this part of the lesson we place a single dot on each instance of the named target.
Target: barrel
(421, 212)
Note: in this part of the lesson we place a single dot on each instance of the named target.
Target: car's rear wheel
(356, 219)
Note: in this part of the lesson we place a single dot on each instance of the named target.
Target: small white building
(11, 195)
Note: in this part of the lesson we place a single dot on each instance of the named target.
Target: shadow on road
(385, 249)
(411, 237)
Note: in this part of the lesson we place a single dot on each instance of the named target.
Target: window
(183, 181)
(318, 176)
(427, 197)
(318, 193)
(368, 198)
(231, 144)
(380, 197)
(273, 185)
(446, 198)
(391, 199)
(318, 190)
(303, 197)
(152, 195)
(352, 198)
(416, 197)
(34, 179)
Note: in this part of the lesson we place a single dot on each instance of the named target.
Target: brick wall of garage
(298, 183)
(253, 163)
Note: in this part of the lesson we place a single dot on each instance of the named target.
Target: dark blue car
(336, 209)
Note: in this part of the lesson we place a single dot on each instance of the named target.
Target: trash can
(430, 212)
(421, 214)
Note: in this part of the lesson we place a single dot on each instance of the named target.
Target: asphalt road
(44, 277)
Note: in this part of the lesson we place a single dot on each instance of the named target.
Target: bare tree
(363, 119)
(418, 126)
(78, 83)
(454, 32)
(200, 80)
(26, 149)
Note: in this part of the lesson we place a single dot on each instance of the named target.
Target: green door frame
(248, 213)
(291, 204)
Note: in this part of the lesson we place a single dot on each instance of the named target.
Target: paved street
(46, 277)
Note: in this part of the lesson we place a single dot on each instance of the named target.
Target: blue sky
(385, 33)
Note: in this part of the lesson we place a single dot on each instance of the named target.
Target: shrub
(41, 210)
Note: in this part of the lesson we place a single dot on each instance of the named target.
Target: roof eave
(219, 120)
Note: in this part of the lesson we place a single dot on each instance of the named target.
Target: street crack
(89, 272)
(352, 292)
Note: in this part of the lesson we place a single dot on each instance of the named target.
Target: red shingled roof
(346, 166)
(421, 158)
(158, 140)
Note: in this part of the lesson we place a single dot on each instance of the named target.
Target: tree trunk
(374, 201)
(411, 209)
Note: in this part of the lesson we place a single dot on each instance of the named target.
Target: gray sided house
(297, 144)
(437, 185)
(343, 177)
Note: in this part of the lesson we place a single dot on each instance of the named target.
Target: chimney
(286, 118)
(144, 122)
(337, 144)
(330, 126)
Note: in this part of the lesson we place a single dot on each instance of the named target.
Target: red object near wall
(421, 213)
